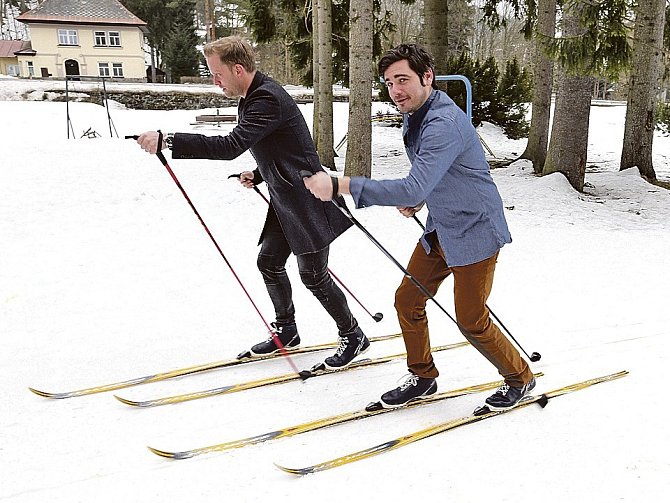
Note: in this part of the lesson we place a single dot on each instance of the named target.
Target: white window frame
(67, 37)
(14, 70)
(31, 68)
(114, 38)
(117, 70)
(100, 38)
(103, 69)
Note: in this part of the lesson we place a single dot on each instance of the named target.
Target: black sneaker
(507, 397)
(287, 335)
(413, 388)
(350, 347)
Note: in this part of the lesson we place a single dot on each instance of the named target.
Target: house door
(71, 67)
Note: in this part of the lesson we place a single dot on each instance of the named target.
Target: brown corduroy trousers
(472, 286)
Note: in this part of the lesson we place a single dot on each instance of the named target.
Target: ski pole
(163, 160)
(410, 276)
(377, 316)
(533, 357)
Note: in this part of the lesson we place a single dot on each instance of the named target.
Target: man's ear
(429, 77)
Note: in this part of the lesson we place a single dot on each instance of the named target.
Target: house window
(13, 70)
(100, 38)
(117, 69)
(103, 69)
(114, 39)
(31, 68)
(68, 37)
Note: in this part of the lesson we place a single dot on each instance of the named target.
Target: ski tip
(44, 393)
(56, 396)
(163, 454)
(171, 455)
(132, 403)
(294, 471)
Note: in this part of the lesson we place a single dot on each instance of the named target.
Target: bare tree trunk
(325, 139)
(436, 32)
(570, 130)
(407, 19)
(210, 22)
(153, 64)
(543, 76)
(359, 152)
(638, 135)
(315, 72)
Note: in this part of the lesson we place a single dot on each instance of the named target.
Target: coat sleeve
(441, 143)
(261, 116)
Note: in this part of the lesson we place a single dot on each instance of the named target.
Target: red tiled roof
(82, 12)
(9, 47)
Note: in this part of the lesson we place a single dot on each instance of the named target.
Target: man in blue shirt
(465, 228)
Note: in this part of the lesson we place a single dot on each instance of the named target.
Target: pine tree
(159, 20)
(513, 93)
(181, 55)
(486, 105)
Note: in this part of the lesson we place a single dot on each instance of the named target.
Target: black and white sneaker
(350, 347)
(414, 388)
(507, 396)
(287, 335)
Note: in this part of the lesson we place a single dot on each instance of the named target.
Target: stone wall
(164, 100)
(170, 100)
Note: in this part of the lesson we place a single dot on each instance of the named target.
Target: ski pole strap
(336, 186)
(159, 147)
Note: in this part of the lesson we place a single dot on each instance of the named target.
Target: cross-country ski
(317, 370)
(446, 426)
(371, 410)
(169, 374)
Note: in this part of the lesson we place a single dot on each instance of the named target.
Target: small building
(83, 37)
(9, 61)
(161, 76)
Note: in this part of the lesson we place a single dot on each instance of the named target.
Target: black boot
(507, 397)
(287, 335)
(413, 388)
(351, 345)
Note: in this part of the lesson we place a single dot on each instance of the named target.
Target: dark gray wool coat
(271, 126)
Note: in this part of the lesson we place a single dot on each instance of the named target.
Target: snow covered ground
(106, 274)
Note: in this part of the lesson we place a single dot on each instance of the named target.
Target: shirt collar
(417, 117)
(256, 81)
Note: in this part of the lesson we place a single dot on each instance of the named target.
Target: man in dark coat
(272, 127)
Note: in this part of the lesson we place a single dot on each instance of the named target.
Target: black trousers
(313, 269)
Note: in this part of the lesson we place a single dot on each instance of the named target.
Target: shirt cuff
(356, 186)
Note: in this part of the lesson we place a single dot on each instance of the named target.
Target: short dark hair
(419, 60)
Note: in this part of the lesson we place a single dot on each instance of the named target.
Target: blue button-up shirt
(450, 174)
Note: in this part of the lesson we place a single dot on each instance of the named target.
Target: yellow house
(9, 62)
(83, 37)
